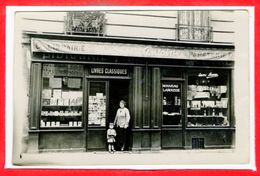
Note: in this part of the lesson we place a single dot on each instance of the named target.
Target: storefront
(179, 94)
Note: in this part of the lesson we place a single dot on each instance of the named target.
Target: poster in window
(48, 70)
(55, 82)
(57, 93)
(74, 83)
(61, 69)
(46, 93)
(75, 70)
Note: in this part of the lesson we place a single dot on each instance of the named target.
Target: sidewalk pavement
(121, 159)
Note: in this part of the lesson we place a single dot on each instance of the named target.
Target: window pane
(171, 103)
(207, 99)
(97, 104)
(62, 96)
(172, 72)
(197, 18)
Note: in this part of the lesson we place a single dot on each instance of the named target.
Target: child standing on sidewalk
(111, 134)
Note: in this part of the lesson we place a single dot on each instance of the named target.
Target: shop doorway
(118, 90)
(103, 101)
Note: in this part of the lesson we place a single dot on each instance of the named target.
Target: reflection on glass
(97, 104)
(171, 103)
(207, 99)
(62, 96)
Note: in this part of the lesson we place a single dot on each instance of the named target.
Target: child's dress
(111, 134)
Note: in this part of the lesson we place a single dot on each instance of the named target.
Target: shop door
(103, 101)
(172, 114)
(96, 120)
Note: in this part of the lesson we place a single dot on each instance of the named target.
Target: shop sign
(171, 88)
(131, 50)
(108, 71)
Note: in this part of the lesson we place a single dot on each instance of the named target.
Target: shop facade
(179, 94)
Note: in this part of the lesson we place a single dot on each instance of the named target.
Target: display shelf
(207, 116)
(208, 127)
(171, 114)
(77, 129)
(171, 105)
(57, 124)
(207, 108)
(61, 116)
(172, 127)
(61, 127)
(61, 105)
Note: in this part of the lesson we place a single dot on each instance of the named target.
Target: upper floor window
(194, 26)
(88, 22)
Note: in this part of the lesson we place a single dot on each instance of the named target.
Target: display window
(97, 104)
(62, 96)
(172, 103)
(208, 99)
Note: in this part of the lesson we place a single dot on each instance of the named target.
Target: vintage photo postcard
(130, 87)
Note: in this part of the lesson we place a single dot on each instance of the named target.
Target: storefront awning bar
(164, 42)
(62, 46)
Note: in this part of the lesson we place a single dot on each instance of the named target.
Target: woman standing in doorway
(122, 122)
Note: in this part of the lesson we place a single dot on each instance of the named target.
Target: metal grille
(198, 143)
(194, 33)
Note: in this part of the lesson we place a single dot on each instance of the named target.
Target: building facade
(173, 68)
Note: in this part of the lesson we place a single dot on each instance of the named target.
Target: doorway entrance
(118, 90)
(103, 101)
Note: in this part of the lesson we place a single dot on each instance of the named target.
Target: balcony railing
(194, 33)
(85, 23)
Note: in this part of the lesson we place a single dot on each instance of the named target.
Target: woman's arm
(115, 118)
(127, 118)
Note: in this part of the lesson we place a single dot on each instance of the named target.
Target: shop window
(97, 104)
(171, 103)
(62, 96)
(194, 26)
(207, 99)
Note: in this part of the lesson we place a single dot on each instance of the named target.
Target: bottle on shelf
(213, 113)
(164, 101)
(175, 100)
(57, 123)
(179, 101)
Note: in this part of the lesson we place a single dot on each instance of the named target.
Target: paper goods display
(207, 105)
(97, 110)
(62, 97)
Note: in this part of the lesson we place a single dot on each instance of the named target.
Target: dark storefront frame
(147, 131)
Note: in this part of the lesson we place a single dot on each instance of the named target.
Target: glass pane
(97, 104)
(62, 97)
(172, 72)
(207, 99)
(171, 103)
